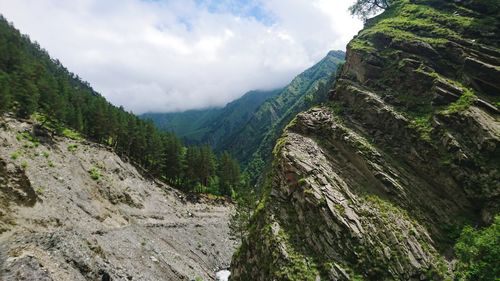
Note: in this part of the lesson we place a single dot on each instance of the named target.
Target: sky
(174, 55)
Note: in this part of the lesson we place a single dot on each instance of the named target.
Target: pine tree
(229, 173)
(25, 91)
(172, 158)
(5, 98)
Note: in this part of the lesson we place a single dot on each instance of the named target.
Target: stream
(222, 275)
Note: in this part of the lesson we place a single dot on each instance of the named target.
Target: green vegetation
(29, 140)
(478, 251)
(212, 125)
(95, 173)
(253, 144)
(15, 155)
(463, 103)
(72, 147)
(423, 126)
(245, 201)
(24, 165)
(33, 85)
(248, 127)
(71, 134)
(404, 21)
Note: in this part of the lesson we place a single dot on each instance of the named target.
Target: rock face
(377, 184)
(73, 210)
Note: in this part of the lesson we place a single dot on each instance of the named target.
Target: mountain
(397, 177)
(253, 122)
(82, 183)
(36, 87)
(74, 210)
(253, 143)
(213, 124)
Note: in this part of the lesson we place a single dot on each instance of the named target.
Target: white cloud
(168, 55)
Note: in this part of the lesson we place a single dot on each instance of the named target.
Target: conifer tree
(5, 98)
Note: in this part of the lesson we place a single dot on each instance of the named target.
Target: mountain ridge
(378, 183)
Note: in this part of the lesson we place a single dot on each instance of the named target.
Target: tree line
(32, 82)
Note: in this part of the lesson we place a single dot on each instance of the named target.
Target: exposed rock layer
(377, 184)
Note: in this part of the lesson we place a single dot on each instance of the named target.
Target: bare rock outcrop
(377, 184)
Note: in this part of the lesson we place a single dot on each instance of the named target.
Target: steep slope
(261, 131)
(189, 125)
(33, 83)
(213, 124)
(74, 210)
(378, 184)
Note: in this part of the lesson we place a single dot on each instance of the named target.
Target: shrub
(72, 147)
(95, 173)
(15, 155)
(478, 252)
(71, 134)
(463, 103)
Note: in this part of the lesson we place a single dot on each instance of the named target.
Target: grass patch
(95, 173)
(71, 134)
(423, 126)
(463, 103)
(361, 45)
(15, 155)
(31, 140)
(72, 147)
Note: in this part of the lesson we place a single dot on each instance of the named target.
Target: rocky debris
(60, 223)
(377, 184)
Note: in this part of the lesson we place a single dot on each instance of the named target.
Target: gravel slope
(58, 223)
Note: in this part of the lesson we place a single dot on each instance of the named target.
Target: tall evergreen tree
(5, 98)
(229, 173)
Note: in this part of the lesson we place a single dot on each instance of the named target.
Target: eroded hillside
(378, 184)
(74, 210)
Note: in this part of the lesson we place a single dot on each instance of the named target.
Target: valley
(377, 163)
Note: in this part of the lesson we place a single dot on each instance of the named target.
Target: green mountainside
(398, 176)
(212, 124)
(35, 87)
(249, 126)
(253, 142)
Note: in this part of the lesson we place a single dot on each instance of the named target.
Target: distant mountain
(212, 124)
(188, 125)
(253, 143)
(249, 126)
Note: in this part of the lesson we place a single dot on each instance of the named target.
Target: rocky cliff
(377, 184)
(74, 210)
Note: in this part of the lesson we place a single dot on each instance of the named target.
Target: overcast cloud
(170, 55)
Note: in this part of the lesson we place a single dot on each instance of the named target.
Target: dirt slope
(73, 210)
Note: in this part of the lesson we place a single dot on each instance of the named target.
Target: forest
(34, 84)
